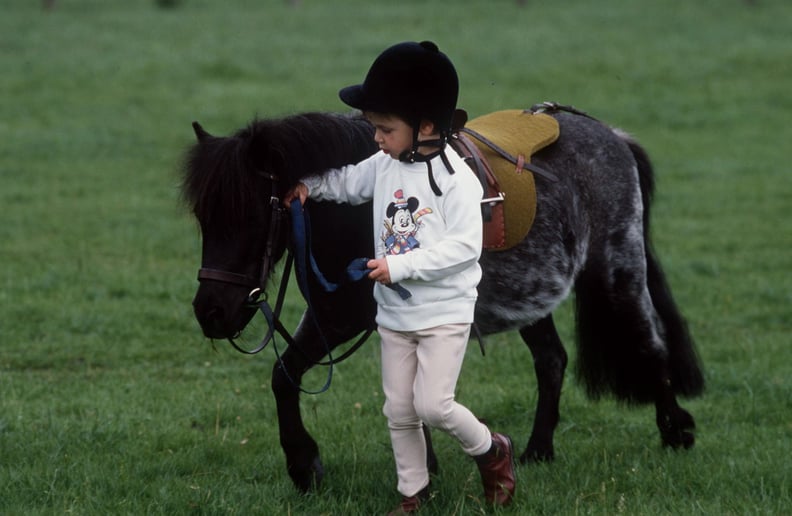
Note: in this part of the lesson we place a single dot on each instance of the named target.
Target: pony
(590, 234)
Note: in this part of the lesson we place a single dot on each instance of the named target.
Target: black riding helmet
(414, 81)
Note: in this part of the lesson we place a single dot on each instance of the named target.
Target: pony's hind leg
(550, 361)
(684, 374)
(431, 457)
(675, 423)
(622, 347)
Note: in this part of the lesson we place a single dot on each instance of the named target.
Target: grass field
(111, 401)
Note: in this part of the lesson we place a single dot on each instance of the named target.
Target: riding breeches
(419, 375)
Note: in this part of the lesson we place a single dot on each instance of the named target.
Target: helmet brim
(353, 96)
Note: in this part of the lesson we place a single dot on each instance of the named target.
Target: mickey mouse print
(402, 222)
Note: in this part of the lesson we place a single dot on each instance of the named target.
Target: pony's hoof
(676, 432)
(679, 440)
(309, 480)
(534, 454)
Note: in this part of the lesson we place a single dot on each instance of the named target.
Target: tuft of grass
(112, 402)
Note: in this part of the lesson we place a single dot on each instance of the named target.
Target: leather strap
(242, 280)
(468, 150)
(492, 145)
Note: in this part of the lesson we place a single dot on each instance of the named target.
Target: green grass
(111, 402)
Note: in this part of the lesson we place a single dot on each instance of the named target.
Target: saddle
(498, 147)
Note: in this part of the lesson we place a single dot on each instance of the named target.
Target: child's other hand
(300, 191)
(379, 270)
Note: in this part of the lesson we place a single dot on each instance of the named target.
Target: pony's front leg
(302, 452)
(550, 361)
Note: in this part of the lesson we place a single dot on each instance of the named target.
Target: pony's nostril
(205, 311)
(214, 314)
(211, 320)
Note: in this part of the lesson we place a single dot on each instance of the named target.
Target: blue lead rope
(355, 271)
(301, 235)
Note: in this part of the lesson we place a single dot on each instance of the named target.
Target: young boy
(429, 241)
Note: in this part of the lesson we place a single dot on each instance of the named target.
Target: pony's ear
(200, 133)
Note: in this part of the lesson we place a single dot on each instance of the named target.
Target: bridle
(257, 297)
(268, 259)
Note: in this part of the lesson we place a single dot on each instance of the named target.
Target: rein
(301, 257)
(301, 239)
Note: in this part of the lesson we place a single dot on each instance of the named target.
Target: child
(429, 241)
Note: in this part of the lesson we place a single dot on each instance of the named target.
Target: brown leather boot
(411, 504)
(497, 470)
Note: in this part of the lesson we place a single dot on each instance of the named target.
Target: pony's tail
(613, 356)
(687, 378)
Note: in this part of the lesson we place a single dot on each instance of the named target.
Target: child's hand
(300, 191)
(379, 270)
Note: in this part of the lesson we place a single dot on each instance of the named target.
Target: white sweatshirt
(432, 243)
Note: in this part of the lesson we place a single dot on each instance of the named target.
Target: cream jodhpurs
(419, 375)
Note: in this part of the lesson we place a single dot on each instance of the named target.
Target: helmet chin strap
(412, 156)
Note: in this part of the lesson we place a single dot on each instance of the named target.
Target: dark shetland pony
(591, 233)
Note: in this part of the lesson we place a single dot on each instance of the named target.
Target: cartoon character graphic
(402, 224)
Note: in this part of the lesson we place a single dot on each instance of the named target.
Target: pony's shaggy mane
(225, 179)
